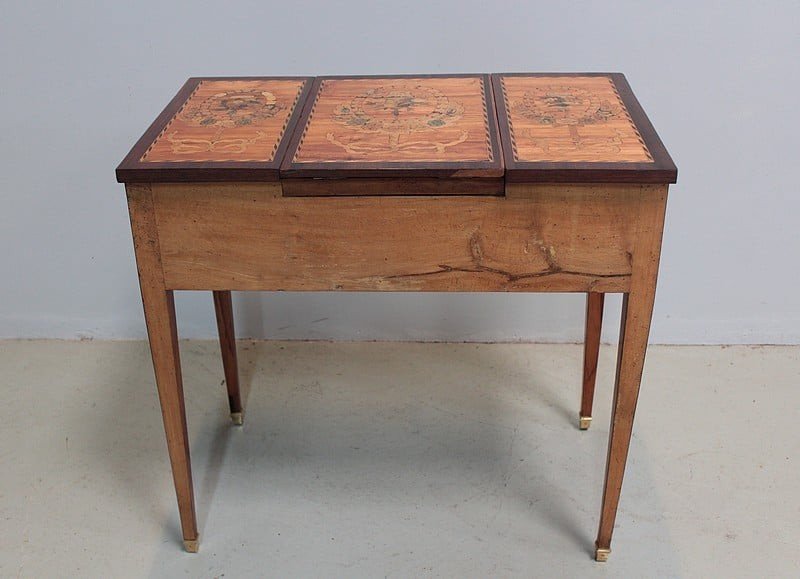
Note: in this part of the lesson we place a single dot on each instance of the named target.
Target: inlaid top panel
(573, 127)
(228, 120)
(241, 124)
(377, 126)
(570, 119)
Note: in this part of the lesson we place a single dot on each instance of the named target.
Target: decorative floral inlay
(233, 109)
(565, 105)
(401, 108)
(186, 145)
(228, 119)
(574, 119)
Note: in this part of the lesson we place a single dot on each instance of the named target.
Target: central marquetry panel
(228, 120)
(570, 119)
(397, 119)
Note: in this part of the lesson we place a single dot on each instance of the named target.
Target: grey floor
(397, 460)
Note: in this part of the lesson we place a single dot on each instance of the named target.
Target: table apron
(559, 238)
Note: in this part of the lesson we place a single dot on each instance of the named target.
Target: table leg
(223, 306)
(637, 311)
(591, 351)
(159, 312)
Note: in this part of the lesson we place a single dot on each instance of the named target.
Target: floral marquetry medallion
(395, 110)
(228, 120)
(397, 119)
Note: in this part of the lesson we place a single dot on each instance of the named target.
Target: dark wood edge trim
(504, 123)
(302, 121)
(491, 121)
(132, 170)
(131, 160)
(589, 173)
(407, 187)
(291, 126)
(499, 74)
(661, 170)
(286, 77)
(398, 169)
(497, 98)
(404, 75)
(661, 158)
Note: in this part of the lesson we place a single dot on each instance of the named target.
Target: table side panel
(246, 237)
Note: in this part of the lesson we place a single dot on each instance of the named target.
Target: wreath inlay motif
(569, 108)
(226, 110)
(395, 110)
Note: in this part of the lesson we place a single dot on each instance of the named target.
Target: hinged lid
(396, 134)
(219, 129)
(577, 127)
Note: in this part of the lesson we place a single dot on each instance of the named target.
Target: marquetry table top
(435, 134)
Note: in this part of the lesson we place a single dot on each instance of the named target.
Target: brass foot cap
(585, 422)
(601, 555)
(238, 418)
(192, 546)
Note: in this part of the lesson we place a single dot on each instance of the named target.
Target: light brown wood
(243, 237)
(228, 120)
(591, 352)
(637, 310)
(570, 119)
(223, 308)
(397, 119)
(159, 311)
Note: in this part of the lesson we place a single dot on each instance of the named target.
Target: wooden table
(476, 183)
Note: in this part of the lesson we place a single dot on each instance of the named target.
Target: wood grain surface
(591, 353)
(527, 242)
(637, 313)
(162, 331)
(223, 308)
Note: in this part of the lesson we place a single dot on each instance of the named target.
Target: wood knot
(475, 248)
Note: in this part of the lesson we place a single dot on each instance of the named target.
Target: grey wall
(80, 81)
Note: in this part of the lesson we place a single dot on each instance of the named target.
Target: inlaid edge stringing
(308, 120)
(172, 120)
(487, 136)
(630, 119)
(275, 146)
(512, 138)
(620, 102)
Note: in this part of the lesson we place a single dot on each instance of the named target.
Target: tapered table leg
(159, 311)
(637, 311)
(223, 306)
(591, 352)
